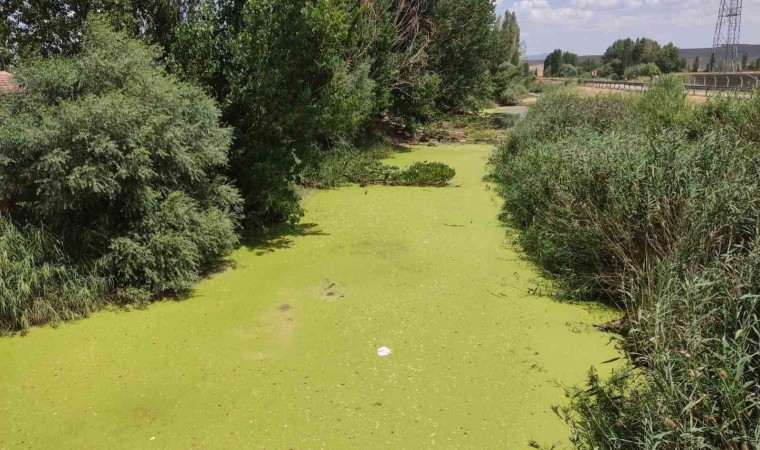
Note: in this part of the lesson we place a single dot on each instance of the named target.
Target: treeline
(651, 203)
(624, 59)
(150, 135)
(720, 66)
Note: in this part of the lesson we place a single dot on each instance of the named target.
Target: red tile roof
(7, 84)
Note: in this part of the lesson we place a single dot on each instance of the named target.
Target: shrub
(355, 166)
(110, 153)
(425, 174)
(512, 95)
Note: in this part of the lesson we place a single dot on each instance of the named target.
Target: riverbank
(280, 350)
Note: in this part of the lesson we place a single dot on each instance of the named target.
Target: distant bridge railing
(745, 85)
(619, 85)
(740, 81)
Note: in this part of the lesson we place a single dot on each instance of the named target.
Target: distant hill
(752, 51)
(538, 57)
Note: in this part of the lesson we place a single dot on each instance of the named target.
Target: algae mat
(280, 352)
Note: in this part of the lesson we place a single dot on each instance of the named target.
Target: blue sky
(589, 26)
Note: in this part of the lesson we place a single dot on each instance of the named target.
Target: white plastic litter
(383, 351)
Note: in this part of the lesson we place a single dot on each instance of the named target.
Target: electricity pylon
(727, 30)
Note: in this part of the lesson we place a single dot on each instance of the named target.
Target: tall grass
(654, 205)
(38, 284)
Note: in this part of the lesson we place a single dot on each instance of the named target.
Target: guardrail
(619, 85)
(694, 88)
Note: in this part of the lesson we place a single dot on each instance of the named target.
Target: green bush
(654, 206)
(425, 174)
(119, 161)
(512, 95)
(363, 167)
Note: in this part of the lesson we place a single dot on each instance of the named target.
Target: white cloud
(606, 4)
(540, 12)
(558, 16)
(529, 5)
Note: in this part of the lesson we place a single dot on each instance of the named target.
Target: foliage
(121, 162)
(51, 28)
(556, 60)
(509, 77)
(625, 53)
(304, 95)
(654, 208)
(38, 283)
(363, 167)
(460, 52)
(512, 95)
(507, 40)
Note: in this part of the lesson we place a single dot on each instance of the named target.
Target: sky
(588, 27)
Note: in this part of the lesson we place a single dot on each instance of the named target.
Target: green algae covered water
(280, 351)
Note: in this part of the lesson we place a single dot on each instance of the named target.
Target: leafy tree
(120, 161)
(556, 60)
(695, 65)
(569, 58)
(296, 91)
(588, 64)
(552, 62)
(460, 51)
(52, 27)
(507, 40)
(645, 51)
(625, 53)
(745, 61)
(667, 59)
(620, 55)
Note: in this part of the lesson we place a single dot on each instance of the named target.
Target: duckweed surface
(280, 351)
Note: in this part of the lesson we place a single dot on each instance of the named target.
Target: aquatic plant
(38, 283)
(364, 167)
(653, 205)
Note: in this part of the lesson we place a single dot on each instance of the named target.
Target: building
(7, 83)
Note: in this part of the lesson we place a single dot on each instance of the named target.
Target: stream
(280, 350)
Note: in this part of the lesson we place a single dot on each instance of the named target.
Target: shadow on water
(280, 237)
(399, 148)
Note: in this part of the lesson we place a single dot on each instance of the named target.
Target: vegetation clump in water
(364, 167)
(651, 203)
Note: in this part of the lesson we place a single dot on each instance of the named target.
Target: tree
(552, 63)
(711, 64)
(120, 161)
(645, 51)
(569, 58)
(745, 61)
(298, 87)
(695, 65)
(667, 59)
(53, 27)
(507, 40)
(620, 55)
(460, 51)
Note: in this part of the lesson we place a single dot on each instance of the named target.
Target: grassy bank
(653, 204)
